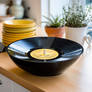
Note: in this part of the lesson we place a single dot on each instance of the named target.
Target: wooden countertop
(77, 78)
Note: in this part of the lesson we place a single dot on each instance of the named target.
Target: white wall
(39, 8)
(57, 5)
(82, 2)
(4, 1)
(44, 8)
(78, 2)
(35, 9)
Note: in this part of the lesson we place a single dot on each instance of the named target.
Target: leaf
(74, 16)
(54, 21)
(49, 19)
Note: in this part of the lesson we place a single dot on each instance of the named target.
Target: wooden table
(77, 78)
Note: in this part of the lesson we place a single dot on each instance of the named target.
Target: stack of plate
(17, 29)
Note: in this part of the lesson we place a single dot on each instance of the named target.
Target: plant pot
(55, 32)
(76, 34)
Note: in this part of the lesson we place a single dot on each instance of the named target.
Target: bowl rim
(51, 60)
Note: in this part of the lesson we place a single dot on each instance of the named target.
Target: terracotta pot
(55, 32)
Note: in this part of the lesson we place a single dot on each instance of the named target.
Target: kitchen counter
(77, 78)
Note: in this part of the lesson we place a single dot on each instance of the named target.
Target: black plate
(68, 50)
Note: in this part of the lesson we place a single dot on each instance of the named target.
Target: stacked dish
(17, 29)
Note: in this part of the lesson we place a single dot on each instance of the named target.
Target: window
(88, 2)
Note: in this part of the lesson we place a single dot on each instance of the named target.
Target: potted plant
(54, 26)
(76, 21)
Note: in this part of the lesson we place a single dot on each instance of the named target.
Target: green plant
(54, 21)
(75, 16)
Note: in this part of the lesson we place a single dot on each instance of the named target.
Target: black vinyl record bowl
(69, 51)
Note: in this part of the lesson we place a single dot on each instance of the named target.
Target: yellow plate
(13, 38)
(19, 23)
(7, 42)
(17, 36)
(4, 37)
(19, 30)
(14, 34)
